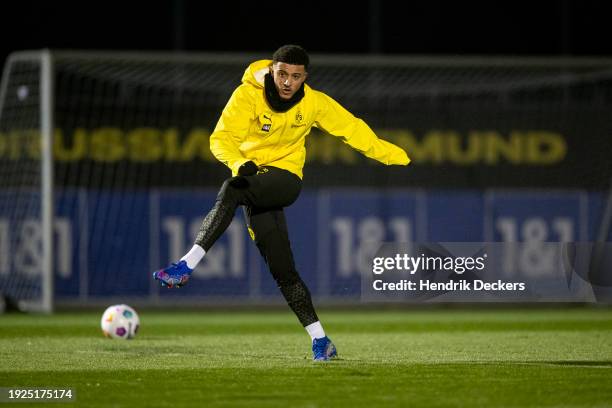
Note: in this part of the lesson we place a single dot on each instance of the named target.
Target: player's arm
(337, 121)
(232, 128)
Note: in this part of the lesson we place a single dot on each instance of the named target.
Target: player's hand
(248, 169)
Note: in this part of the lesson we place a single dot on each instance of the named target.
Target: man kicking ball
(260, 136)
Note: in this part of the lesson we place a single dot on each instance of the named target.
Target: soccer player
(260, 136)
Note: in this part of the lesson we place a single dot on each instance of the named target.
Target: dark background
(385, 27)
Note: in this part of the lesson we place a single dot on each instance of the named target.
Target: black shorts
(268, 192)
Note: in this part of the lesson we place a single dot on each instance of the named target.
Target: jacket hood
(255, 73)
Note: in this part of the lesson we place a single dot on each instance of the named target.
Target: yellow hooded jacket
(249, 129)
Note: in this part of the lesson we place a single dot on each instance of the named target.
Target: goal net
(106, 172)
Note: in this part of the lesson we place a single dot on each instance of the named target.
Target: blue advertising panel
(20, 244)
(533, 219)
(108, 243)
(70, 243)
(118, 236)
(356, 223)
(536, 216)
(455, 216)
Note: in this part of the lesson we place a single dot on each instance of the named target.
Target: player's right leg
(233, 192)
(271, 187)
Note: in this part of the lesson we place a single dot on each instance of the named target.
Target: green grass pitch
(429, 358)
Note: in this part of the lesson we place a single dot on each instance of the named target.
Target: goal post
(46, 137)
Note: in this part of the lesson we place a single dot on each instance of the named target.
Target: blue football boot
(323, 349)
(175, 275)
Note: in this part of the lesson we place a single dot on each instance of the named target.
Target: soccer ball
(120, 322)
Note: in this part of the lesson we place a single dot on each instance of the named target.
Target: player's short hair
(291, 54)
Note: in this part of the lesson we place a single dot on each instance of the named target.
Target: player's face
(288, 78)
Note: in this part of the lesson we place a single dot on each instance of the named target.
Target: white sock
(194, 256)
(315, 330)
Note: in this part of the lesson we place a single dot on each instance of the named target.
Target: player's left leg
(268, 228)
